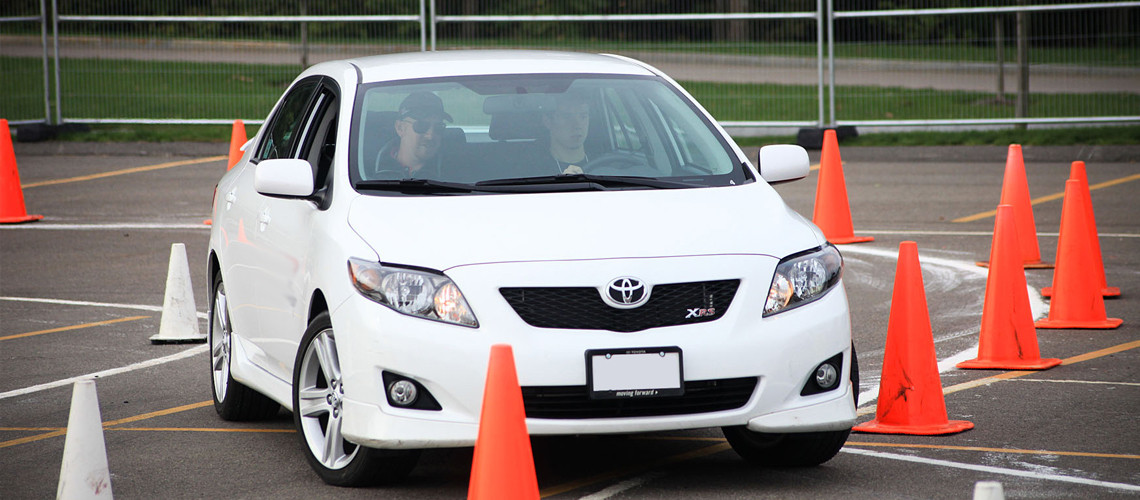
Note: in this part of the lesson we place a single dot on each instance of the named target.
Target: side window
(320, 141)
(287, 124)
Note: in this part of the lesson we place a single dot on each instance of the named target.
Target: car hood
(442, 232)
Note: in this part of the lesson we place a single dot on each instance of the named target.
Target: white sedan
(398, 215)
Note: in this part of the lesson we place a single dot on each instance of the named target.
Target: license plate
(634, 373)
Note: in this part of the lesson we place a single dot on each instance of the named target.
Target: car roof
(410, 65)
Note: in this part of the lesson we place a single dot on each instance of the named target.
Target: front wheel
(795, 449)
(232, 399)
(785, 450)
(318, 392)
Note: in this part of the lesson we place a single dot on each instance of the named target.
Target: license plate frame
(631, 373)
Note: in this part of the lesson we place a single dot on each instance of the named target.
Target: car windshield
(533, 133)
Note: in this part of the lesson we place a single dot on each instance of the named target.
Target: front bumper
(779, 352)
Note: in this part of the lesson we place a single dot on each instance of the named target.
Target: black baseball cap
(423, 104)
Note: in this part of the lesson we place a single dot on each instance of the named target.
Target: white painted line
(89, 304)
(623, 486)
(103, 227)
(1093, 382)
(106, 373)
(993, 470)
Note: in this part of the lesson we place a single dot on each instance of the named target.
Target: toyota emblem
(626, 293)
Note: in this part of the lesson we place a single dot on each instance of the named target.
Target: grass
(1082, 136)
(165, 90)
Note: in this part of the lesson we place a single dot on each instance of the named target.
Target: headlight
(415, 292)
(803, 278)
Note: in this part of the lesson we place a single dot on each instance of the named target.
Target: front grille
(582, 307)
(573, 401)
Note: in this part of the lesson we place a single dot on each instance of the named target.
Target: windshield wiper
(598, 182)
(416, 186)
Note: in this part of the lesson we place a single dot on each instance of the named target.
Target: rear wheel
(232, 399)
(792, 449)
(318, 392)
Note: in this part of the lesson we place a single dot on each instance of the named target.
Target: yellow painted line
(62, 432)
(1051, 197)
(1016, 374)
(1067, 361)
(74, 327)
(159, 413)
(609, 476)
(1012, 451)
(124, 171)
(31, 429)
(200, 429)
(30, 439)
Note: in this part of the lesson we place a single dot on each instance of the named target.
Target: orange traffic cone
(1077, 171)
(910, 390)
(12, 208)
(832, 211)
(1007, 339)
(1015, 191)
(503, 466)
(1077, 300)
(237, 140)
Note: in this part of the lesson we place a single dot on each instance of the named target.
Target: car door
(284, 237)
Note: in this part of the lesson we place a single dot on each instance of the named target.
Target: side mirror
(284, 178)
(782, 163)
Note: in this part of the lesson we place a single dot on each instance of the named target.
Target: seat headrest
(509, 126)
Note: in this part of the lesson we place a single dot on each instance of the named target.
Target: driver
(419, 131)
(568, 125)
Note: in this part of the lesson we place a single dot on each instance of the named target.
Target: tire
(232, 399)
(317, 395)
(805, 449)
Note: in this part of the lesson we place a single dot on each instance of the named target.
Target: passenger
(419, 135)
(568, 125)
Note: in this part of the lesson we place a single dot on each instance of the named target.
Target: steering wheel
(620, 163)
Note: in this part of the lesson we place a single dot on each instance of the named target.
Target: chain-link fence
(753, 63)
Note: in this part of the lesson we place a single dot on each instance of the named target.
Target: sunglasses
(422, 126)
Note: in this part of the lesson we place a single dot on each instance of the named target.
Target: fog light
(402, 392)
(826, 376)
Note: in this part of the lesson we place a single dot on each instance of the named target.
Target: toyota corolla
(398, 215)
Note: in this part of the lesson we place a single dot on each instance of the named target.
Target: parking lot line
(124, 171)
(200, 429)
(629, 471)
(106, 373)
(993, 470)
(74, 327)
(1011, 451)
(1051, 197)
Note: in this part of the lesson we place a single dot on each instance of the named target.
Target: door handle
(263, 219)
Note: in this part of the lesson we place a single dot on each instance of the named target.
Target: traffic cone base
(950, 427)
(1105, 324)
(1009, 364)
(851, 239)
(1108, 291)
(20, 219)
(1040, 264)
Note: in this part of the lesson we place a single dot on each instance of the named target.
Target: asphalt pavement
(82, 291)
